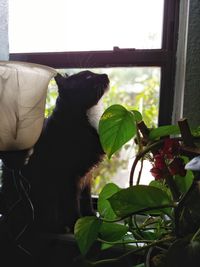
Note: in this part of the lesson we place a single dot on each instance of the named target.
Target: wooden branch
(143, 129)
(190, 151)
(188, 139)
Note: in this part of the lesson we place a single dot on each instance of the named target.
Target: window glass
(137, 87)
(77, 25)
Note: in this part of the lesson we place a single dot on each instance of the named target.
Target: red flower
(157, 173)
(171, 148)
(167, 161)
(159, 161)
(177, 166)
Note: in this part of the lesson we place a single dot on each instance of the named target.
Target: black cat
(68, 148)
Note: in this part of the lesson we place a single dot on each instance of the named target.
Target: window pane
(77, 25)
(136, 87)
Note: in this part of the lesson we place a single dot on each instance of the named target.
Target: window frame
(165, 58)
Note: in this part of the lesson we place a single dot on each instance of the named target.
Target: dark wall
(191, 108)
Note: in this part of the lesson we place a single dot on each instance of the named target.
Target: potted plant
(156, 225)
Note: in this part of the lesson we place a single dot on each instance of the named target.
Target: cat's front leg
(71, 206)
(86, 205)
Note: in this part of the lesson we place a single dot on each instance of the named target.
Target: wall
(191, 107)
(181, 61)
(4, 30)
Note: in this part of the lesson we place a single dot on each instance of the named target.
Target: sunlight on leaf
(137, 115)
(116, 127)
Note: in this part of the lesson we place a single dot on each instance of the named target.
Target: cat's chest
(94, 114)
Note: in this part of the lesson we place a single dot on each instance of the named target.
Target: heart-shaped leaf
(140, 198)
(103, 204)
(86, 232)
(112, 232)
(116, 127)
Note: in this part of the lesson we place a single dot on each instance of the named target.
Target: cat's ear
(60, 80)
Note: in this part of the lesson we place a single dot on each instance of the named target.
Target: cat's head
(83, 89)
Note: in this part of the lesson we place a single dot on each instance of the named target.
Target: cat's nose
(105, 78)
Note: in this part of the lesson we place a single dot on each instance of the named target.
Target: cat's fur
(67, 150)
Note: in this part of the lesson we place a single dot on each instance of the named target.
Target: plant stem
(140, 171)
(195, 235)
(139, 156)
(172, 186)
(156, 243)
(141, 211)
(126, 242)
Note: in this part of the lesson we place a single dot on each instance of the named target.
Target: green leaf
(116, 127)
(184, 183)
(162, 186)
(151, 235)
(112, 232)
(86, 232)
(196, 131)
(139, 199)
(163, 131)
(137, 115)
(103, 204)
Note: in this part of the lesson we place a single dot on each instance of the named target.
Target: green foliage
(112, 232)
(86, 232)
(51, 98)
(147, 100)
(184, 183)
(139, 218)
(162, 131)
(123, 203)
(140, 199)
(124, 90)
(116, 127)
(104, 207)
(162, 217)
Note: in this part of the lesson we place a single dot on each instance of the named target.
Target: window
(105, 33)
(84, 25)
(124, 36)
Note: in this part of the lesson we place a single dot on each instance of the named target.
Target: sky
(78, 25)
